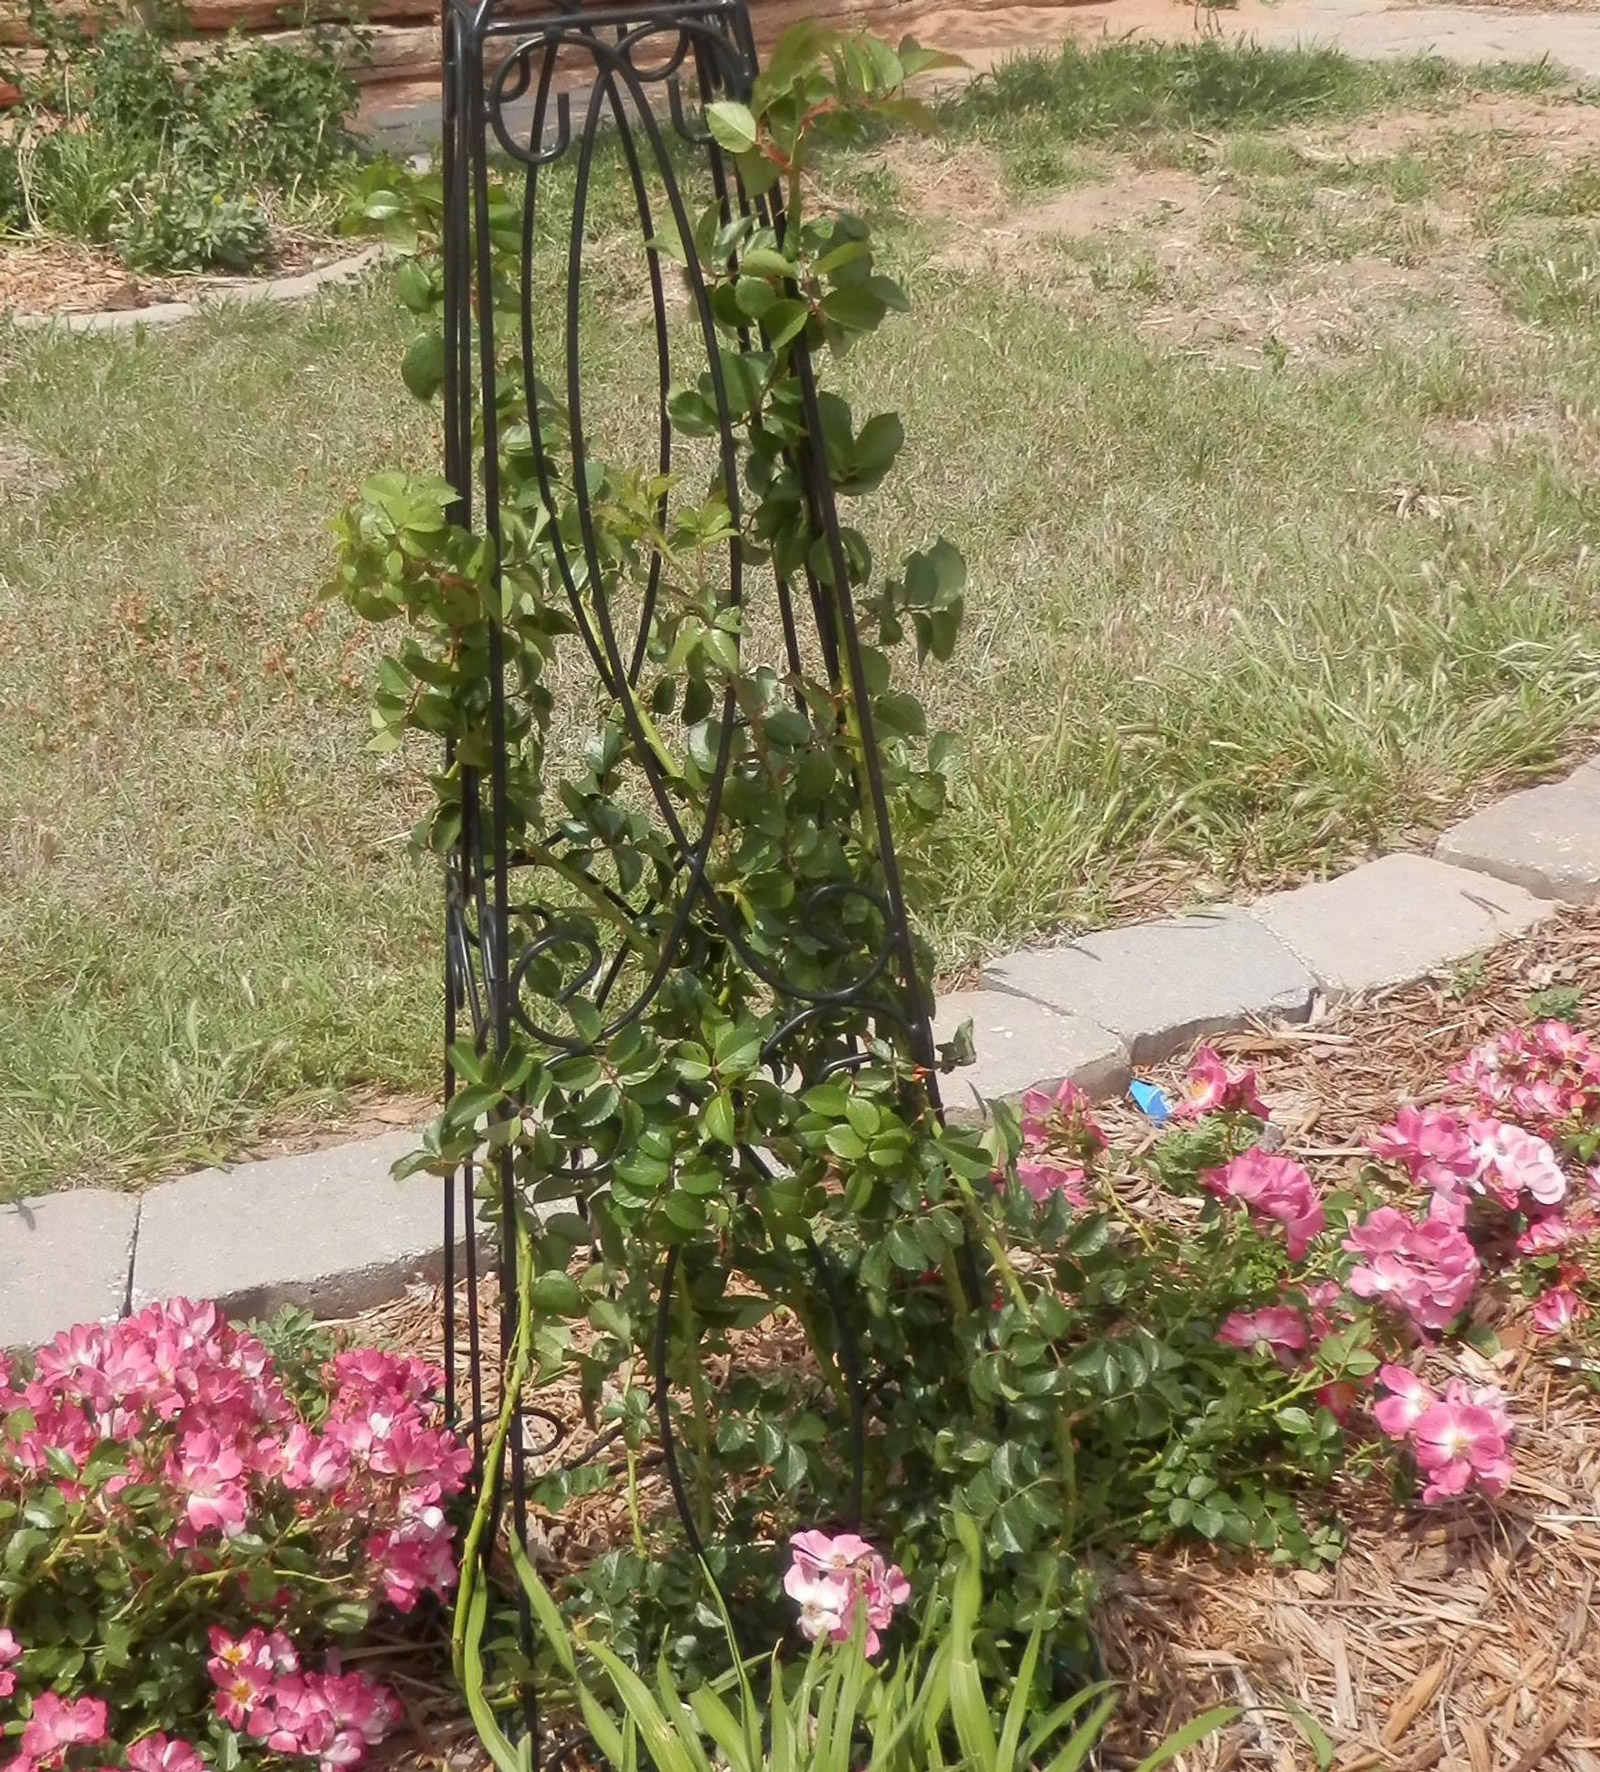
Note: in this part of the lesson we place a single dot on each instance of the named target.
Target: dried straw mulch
(1466, 1639)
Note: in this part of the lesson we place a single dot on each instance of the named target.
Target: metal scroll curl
(533, 936)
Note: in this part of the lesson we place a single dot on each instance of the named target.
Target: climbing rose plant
(186, 1518)
(1223, 1338)
(1072, 1345)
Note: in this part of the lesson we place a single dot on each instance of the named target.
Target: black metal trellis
(530, 89)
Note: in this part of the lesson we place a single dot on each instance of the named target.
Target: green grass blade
(665, 1740)
(1083, 1740)
(727, 1731)
(1189, 1735)
(1055, 1721)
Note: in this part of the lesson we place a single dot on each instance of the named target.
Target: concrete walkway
(408, 121)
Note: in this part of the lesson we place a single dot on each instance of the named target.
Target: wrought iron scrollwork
(537, 91)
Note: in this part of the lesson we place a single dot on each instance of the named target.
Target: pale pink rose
(1277, 1328)
(1555, 1311)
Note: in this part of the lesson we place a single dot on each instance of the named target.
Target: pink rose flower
(1273, 1187)
(1277, 1328)
(1557, 1309)
(1554, 1231)
(1460, 1443)
(1515, 1165)
(840, 1583)
(10, 1652)
(57, 1724)
(1211, 1088)
(161, 1753)
(1042, 1180)
(1428, 1271)
(1408, 1401)
(1064, 1118)
(1431, 1144)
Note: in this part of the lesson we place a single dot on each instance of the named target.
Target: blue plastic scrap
(1150, 1102)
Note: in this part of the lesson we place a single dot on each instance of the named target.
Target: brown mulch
(1462, 1639)
(53, 276)
(1468, 1641)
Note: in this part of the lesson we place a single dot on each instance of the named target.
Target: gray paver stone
(1394, 919)
(330, 1230)
(1546, 838)
(64, 1259)
(1159, 986)
(1022, 1046)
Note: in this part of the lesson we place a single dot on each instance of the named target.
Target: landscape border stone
(308, 1230)
(314, 1230)
(64, 1259)
(1545, 839)
(1161, 985)
(1394, 919)
(1023, 1045)
(245, 292)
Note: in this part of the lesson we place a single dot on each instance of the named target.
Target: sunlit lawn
(1238, 609)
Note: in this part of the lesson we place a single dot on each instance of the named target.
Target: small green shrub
(126, 137)
(174, 220)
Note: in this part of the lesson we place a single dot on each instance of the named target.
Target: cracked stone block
(330, 1230)
(64, 1259)
(1021, 1046)
(1546, 839)
(1160, 986)
(1395, 919)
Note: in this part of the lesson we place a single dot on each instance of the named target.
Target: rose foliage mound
(1193, 1336)
(189, 1522)
(1251, 1334)
(1072, 1345)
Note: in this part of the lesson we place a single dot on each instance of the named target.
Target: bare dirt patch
(22, 473)
(1552, 424)
(1191, 255)
(1553, 128)
(948, 182)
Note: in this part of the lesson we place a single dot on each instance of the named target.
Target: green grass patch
(1128, 87)
(1207, 647)
(1552, 282)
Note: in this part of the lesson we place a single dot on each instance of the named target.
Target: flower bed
(193, 1523)
(1458, 1629)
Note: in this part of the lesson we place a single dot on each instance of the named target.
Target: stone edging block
(1545, 839)
(1159, 986)
(1022, 1045)
(330, 1230)
(1395, 919)
(64, 1259)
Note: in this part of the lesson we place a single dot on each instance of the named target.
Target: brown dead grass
(1168, 246)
